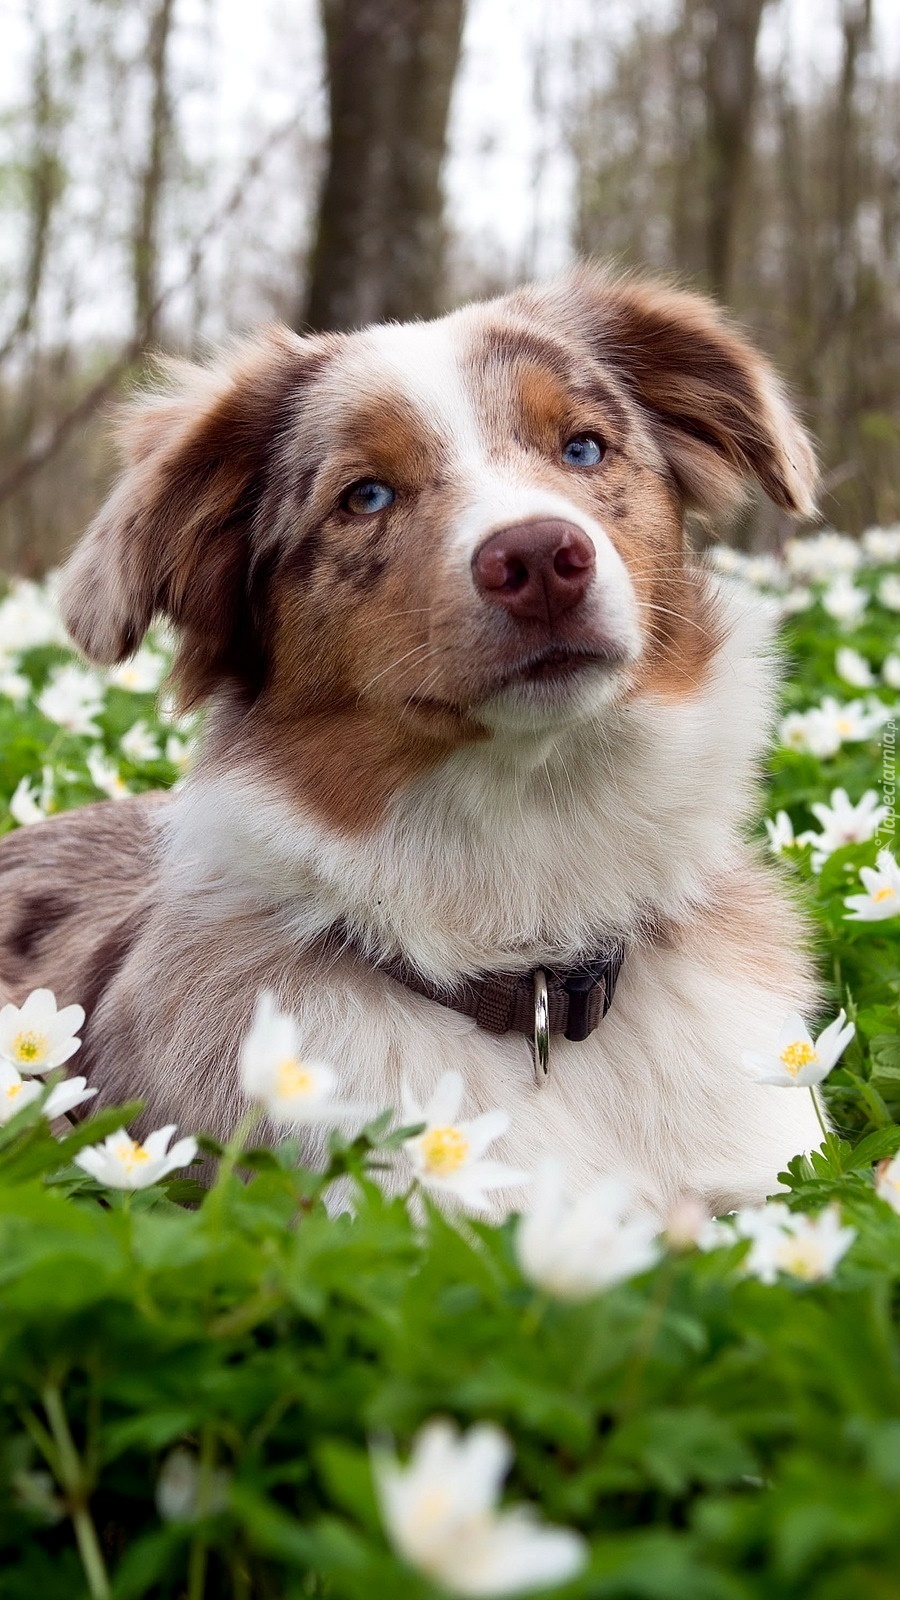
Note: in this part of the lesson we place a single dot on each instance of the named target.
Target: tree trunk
(145, 241)
(730, 76)
(379, 240)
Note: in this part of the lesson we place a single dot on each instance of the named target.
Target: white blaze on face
(424, 360)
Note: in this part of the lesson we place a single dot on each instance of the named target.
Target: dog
(481, 736)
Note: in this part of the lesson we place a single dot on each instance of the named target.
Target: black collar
(503, 1002)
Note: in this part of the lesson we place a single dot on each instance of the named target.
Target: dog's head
(416, 536)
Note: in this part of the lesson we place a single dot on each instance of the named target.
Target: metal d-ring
(541, 1028)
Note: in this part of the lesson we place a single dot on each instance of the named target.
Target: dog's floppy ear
(174, 535)
(717, 407)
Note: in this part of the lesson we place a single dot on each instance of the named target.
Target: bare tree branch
(39, 454)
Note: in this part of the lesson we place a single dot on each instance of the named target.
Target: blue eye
(367, 496)
(583, 450)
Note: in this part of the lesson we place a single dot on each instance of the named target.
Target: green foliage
(715, 1438)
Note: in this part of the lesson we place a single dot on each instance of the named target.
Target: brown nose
(537, 570)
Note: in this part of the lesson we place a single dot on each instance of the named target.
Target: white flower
(823, 556)
(28, 618)
(15, 686)
(184, 1493)
(141, 674)
(105, 775)
(440, 1513)
(120, 1162)
(16, 1092)
(781, 833)
(36, 1037)
(686, 1224)
(887, 1181)
(28, 803)
(766, 572)
(815, 732)
(797, 599)
(797, 1062)
(725, 559)
(890, 671)
(882, 544)
(853, 722)
(139, 744)
(853, 668)
(296, 1092)
(843, 823)
(72, 698)
(888, 592)
(843, 601)
(447, 1156)
(574, 1248)
(180, 752)
(804, 1247)
(882, 897)
(783, 1241)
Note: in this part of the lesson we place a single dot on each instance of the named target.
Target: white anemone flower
(783, 1241)
(28, 803)
(573, 1248)
(121, 1162)
(447, 1157)
(29, 617)
(796, 1061)
(890, 671)
(106, 776)
(844, 601)
(440, 1514)
(14, 686)
(35, 1037)
(139, 744)
(781, 833)
(802, 1246)
(180, 752)
(843, 823)
(853, 722)
(853, 668)
(887, 1181)
(796, 599)
(16, 1092)
(882, 544)
(814, 731)
(296, 1091)
(725, 559)
(764, 572)
(73, 698)
(822, 556)
(888, 592)
(141, 673)
(882, 897)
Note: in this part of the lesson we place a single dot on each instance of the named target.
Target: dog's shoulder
(68, 886)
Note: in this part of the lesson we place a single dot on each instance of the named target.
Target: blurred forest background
(172, 171)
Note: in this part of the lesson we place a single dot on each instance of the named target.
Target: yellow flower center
(445, 1150)
(803, 1258)
(14, 1090)
(432, 1508)
(798, 1055)
(131, 1154)
(844, 726)
(292, 1077)
(30, 1046)
(886, 893)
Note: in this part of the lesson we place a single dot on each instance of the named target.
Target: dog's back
(74, 892)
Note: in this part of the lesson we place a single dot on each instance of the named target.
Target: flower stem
(815, 1101)
(215, 1198)
(73, 1480)
(198, 1552)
